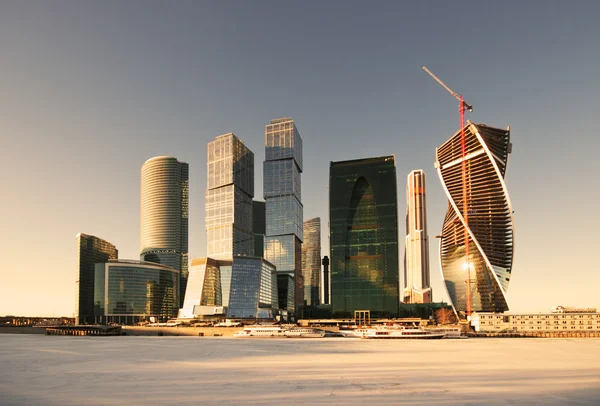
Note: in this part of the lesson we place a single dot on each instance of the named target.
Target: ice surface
(51, 370)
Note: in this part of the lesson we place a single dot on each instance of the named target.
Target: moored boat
(304, 333)
(401, 333)
(260, 331)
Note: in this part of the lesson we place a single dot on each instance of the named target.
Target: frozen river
(49, 370)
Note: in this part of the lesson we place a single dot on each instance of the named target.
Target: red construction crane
(462, 106)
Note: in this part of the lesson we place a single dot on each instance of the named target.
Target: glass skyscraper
(282, 193)
(311, 261)
(90, 250)
(476, 246)
(132, 291)
(230, 188)
(363, 213)
(164, 214)
(253, 292)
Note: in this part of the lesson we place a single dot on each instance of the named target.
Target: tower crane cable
(462, 106)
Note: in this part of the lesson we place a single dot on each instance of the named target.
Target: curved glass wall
(489, 222)
(364, 237)
(130, 291)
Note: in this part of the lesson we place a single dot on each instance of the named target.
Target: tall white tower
(416, 257)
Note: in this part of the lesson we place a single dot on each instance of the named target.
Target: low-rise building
(535, 322)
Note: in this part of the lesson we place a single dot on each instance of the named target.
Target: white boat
(401, 333)
(449, 332)
(304, 333)
(260, 331)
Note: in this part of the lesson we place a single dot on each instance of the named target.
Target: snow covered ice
(49, 370)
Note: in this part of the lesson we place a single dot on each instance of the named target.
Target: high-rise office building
(128, 292)
(90, 250)
(311, 261)
(164, 215)
(364, 237)
(476, 247)
(259, 227)
(282, 193)
(229, 192)
(416, 255)
(253, 289)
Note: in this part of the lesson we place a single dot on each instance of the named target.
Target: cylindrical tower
(164, 214)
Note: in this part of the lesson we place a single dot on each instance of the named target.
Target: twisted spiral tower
(476, 265)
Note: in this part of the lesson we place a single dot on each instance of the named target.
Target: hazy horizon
(91, 90)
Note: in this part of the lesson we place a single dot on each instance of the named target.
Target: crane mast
(462, 107)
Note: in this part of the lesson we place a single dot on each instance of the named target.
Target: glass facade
(311, 261)
(132, 291)
(205, 285)
(253, 291)
(165, 214)
(476, 247)
(364, 237)
(90, 250)
(282, 193)
(230, 188)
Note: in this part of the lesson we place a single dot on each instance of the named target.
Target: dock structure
(84, 331)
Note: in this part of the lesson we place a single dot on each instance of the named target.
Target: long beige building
(536, 322)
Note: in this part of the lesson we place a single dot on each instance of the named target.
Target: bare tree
(445, 316)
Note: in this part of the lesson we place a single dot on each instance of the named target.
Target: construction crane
(462, 107)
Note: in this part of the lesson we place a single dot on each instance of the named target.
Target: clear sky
(90, 90)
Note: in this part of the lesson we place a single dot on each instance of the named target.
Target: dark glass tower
(90, 251)
(363, 213)
(259, 227)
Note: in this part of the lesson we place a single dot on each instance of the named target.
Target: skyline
(91, 91)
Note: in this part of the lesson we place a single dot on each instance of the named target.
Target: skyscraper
(282, 193)
(164, 215)
(311, 261)
(479, 266)
(229, 192)
(416, 257)
(364, 237)
(90, 250)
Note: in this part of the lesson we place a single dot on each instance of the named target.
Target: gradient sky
(90, 90)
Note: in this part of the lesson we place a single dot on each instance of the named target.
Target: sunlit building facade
(416, 255)
(164, 214)
(282, 193)
(229, 192)
(364, 237)
(90, 250)
(128, 292)
(204, 294)
(487, 268)
(311, 261)
(253, 289)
